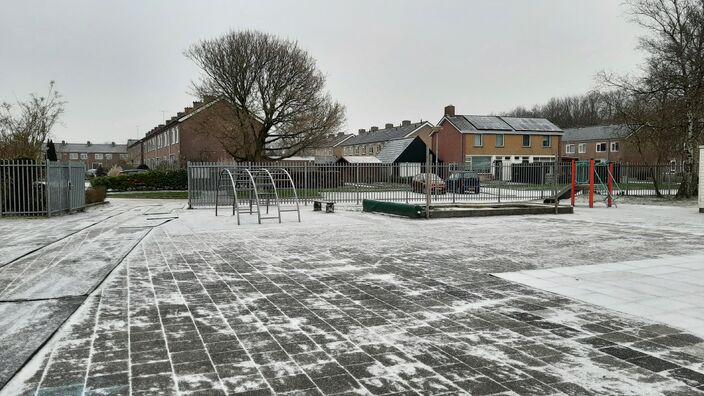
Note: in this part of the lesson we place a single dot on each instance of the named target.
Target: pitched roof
(393, 149)
(598, 132)
(90, 148)
(361, 159)
(483, 123)
(183, 115)
(332, 141)
(386, 134)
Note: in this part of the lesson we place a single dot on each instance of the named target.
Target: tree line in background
(663, 104)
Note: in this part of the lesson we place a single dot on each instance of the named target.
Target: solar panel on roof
(488, 123)
(531, 124)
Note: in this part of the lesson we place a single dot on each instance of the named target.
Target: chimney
(88, 143)
(113, 144)
(388, 125)
(63, 142)
(449, 110)
(340, 134)
(197, 103)
(405, 122)
(374, 129)
(362, 131)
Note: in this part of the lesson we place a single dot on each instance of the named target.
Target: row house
(190, 135)
(372, 142)
(485, 142)
(605, 143)
(328, 149)
(93, 155)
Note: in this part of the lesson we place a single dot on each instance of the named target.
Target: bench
(329, 206)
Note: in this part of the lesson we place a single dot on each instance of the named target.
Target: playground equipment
(248, 189)
(594, 178)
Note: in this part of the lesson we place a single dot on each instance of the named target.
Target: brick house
(93, 155)
(486, 141)
(604, 143)
(373, 141)
(190, 135)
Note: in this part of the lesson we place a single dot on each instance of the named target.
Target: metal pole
(555, 176)
(427, 182)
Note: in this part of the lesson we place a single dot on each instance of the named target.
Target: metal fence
(28, 188)
(498, 182)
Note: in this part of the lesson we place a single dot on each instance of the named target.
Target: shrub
(152, 180)
(95, 194)
(115, 170)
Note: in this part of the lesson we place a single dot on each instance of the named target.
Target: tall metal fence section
(452, 183)
(28, 188)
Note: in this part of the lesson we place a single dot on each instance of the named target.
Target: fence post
(188, 183)
(610, 184)
(591, 183)
(555, 175)
(574, 179)
(305, 184)
(357, 182)
(48, 190)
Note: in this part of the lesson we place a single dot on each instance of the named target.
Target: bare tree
(671, 85)
(589, 109)
(25, 126)
(278, 98)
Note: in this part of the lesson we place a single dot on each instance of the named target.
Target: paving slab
(668, 289)
(354, 302)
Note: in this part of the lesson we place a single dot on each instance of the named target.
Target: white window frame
(176, 134)
(84, 156)
(503, 140)
(582, 148)
(480, 137)
(523, 141)
(108, 156)
(73, 156)
(549, 141)
(596, 147)
(98, 156)
(569, 148)
(612, 145)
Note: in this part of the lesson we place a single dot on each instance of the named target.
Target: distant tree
(276, 90)
(25, 126)
(100, 171)
(668, 95)
(593, 108)
(51, 151)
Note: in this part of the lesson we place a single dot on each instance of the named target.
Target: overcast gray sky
(119, 64)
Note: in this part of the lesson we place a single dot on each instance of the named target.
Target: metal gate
(31, 189)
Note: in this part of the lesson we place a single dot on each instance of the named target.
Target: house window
(479, 163)
(601, 147)
(582, 148)
(108, 156)
(84, 156)
(499, 140)
(478, 140)
(98, 156)
(526, 140)
(547, 141)
(569, 148)
(176, 134)
(73, 156)
(614, 147)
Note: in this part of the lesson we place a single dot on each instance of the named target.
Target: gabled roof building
(372, 142)
(483, 141)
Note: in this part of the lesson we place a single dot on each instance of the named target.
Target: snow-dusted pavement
(370, 304)
(669, 289)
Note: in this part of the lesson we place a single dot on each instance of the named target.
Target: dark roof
(332, 141)
(90, 148)
(385, 135)
(598, 132)
(393, 149)
(482, 123)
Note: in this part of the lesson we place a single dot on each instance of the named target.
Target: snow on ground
(370, 304)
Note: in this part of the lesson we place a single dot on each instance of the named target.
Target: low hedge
(152, 180)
